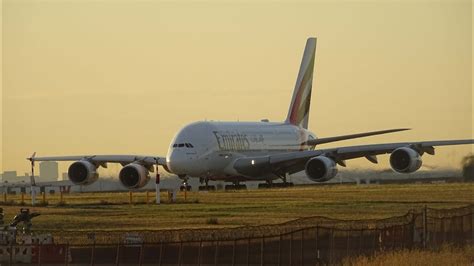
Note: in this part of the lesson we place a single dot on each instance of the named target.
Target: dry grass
(111, 211)
(448, 255)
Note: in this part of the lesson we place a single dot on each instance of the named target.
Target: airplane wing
(103, 159)
(314, 142)
(293, 162)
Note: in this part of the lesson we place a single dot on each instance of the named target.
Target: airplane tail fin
(298, 114)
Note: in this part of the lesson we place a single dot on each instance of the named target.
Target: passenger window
(191, 145)
(187, 145)
(175, 145)
(181, 145)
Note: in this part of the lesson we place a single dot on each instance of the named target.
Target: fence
(307, 241)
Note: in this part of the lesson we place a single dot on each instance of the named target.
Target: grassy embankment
(111, 211)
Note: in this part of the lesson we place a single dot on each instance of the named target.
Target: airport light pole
(32, 180)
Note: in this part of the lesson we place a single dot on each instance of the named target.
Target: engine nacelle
(405, 160)
(134, 176)
(320, 169)
(82, 173)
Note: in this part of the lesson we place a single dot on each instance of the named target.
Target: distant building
(48, 171)
(9, 176)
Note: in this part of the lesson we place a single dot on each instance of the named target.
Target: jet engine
(134, 176)
(405, 160)
(320, 169)
(82, 173)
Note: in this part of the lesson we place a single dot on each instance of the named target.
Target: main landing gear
(236, 186)
(206, 187)
(270, 184)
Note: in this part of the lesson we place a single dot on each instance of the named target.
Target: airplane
(255, 151)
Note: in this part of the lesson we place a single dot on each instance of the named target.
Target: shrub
(212, 220)
(42, 203)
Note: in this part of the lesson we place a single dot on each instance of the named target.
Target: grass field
(112, 212)
(447, 255)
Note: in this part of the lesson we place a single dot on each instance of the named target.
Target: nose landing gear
(184, 186)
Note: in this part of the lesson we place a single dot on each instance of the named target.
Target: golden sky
(122, 77)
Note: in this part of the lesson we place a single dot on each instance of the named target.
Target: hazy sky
(105, 77)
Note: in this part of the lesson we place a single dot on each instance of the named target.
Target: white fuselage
(209, 149)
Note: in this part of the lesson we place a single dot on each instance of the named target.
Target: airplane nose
(176, 162)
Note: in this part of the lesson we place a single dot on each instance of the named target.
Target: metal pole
(33, 196)
(331, 235)
(92, 254)
(66, 255)
(185, 191)
(140, 258)
(39, 254)
(348, 235)
(157, 186)
(180, 252)
(248, 251)
(216, 253)
(302, 247)
(279, 250)
(472, 225)
(117, 257)
(291, 248)
(233, 253)
(199, 252)
(316, 240)
(10, 260)
(161, 252)
(425, 229)
(444, 230)
(32, 180)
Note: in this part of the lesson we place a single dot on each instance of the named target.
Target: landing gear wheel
(283, 185)
(236, 187)
(207, 188)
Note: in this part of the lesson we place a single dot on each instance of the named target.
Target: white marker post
(33, 196)
(157, 186)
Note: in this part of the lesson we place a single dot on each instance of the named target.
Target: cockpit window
(180, 145)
